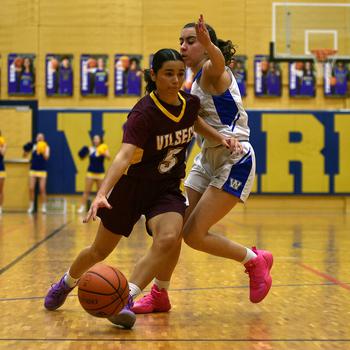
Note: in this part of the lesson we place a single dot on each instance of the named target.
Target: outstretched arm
(208, 132)
(215, 79)
(215, 67)
(114, 173)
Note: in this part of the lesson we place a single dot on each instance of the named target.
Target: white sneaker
(81, 209)
(31, 208)
(43, 209)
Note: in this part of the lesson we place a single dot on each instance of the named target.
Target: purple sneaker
(57, 295)
(126, 318)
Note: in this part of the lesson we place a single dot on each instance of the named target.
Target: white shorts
(217, 167)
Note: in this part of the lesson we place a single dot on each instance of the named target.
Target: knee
(191, 241)
(167, 241)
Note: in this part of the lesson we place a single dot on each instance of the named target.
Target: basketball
(103, 291)
(91, 63)
(125, 61)
(18, 62)
(264, 66)
(54, 63)
(299, 65)
(333, 81)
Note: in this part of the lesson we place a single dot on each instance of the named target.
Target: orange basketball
(54, 63)
(125, 61)
(18, 62)
(264, 66)
(299, 65)
(333, 81)
(103, 291)
(91, 63)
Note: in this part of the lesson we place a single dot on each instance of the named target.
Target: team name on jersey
(178, 137)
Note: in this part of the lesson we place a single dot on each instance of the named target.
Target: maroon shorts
(132, 197)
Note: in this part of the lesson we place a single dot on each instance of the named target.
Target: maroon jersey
(162, 136)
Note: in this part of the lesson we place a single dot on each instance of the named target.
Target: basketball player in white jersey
(218, 179)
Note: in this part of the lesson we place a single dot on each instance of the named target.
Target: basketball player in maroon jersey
(144, 178)
(218, 180)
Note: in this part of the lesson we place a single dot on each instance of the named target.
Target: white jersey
(224, 112)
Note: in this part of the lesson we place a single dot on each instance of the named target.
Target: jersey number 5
(169, 160)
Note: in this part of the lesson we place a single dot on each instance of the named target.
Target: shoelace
(59, 291)
(147, 298)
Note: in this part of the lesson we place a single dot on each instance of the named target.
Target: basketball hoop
(322, 55)
(324, 60)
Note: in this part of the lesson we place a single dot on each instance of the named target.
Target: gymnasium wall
(301, 144)
(298, 152)
(135, 27)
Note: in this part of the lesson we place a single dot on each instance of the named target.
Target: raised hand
(202, 33)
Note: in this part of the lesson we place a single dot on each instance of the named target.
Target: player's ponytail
(228, 50)
(150, 84)
(161, 56)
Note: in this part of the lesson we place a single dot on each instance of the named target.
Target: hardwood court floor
(307, 308)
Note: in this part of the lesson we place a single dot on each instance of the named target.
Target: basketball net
(322, 56)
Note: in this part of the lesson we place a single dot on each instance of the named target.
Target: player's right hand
(100, 201)
(202, 33)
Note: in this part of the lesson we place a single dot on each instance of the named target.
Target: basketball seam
(98, 293)
(120, 296)
(97, 274)
(127, 286)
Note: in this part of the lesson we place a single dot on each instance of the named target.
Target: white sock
(70, 281)
(250, 255)
(31, 205)
(162, 284)
(135, 291)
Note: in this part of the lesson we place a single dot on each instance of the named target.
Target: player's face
(100, 63)
(65, 63)
(96, 140)
(191, 50)
(26, 62)
(170, 77)
(40, 137)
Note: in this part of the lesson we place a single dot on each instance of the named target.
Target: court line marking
(32, 248)
(125, 340)
(325, 276)
(329, 284)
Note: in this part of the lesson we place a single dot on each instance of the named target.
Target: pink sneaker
(156, 301)
(260, 280)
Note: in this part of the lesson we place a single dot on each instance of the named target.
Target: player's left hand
(233, 145)
(202, 33)
(99, 202)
